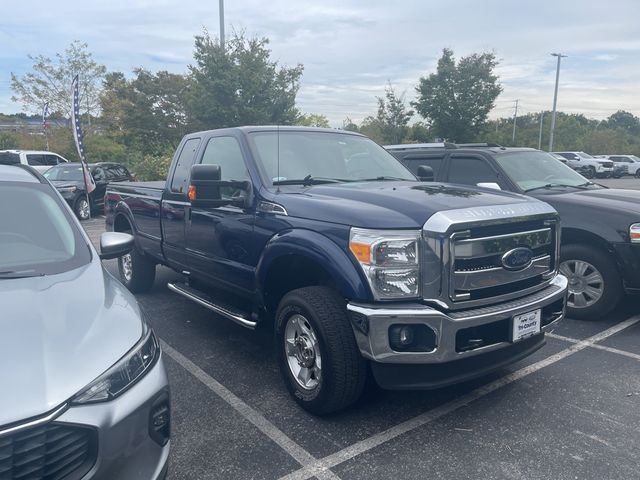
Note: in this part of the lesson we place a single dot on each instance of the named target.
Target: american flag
(45, 114)
(90, 184)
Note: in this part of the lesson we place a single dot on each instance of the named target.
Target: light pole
(515, 119)
(555, 100)
(222, 23)
(540, 133)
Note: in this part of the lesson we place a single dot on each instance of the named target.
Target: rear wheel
(594, 282)
(638, 173)
(82, 208)
(589, 172)
(317, 352)
(137, 271)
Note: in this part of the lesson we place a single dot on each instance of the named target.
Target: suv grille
(48, 452)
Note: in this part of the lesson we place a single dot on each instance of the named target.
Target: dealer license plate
(525, 325)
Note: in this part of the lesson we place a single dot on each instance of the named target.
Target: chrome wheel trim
(303, 352)
(83, 209)
(586, 284)
(127, 267)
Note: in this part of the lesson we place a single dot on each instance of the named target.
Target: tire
(315, 321)
(589, 173)
(137, 271)
(82, 208)
(638, 173)
(595, 287)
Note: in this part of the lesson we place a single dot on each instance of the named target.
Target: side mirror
(204, 187)
(425, 173)
(115, 244)
(492, 185)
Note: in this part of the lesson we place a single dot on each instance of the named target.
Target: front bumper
(371, 324)
(629, 263)
(125, 446)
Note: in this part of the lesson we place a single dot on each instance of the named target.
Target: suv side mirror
(425, 173)
(204, 187)
(115, 244)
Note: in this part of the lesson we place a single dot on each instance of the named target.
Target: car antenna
(278, 157)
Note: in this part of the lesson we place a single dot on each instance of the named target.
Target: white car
(588, 165)
(38, 159)
(631, 161)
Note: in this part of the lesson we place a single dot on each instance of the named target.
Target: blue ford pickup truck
(357, 263)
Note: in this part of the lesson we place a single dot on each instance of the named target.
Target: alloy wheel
(586, 284)
(303, 352)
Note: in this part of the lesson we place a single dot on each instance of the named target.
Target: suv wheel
(82, 208)
(137, 271)
(594, 281)
(317, 352)
(589, 172)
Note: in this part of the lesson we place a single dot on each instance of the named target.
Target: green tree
(626, 121)
(50, 81)
(312, 120)
(148, 112)
(238, 84)
(393, 116)
(457, 99)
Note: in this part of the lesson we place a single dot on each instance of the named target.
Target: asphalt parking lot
(570, 411)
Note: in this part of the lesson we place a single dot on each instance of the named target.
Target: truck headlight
(128, 370)
(634, 233)
(389, 259)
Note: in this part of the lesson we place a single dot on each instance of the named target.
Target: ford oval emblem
(517, 258)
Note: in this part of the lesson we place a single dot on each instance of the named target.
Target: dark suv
(600, 226)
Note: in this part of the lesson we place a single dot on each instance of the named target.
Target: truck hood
(611, 200)
(386, 204)
(58, 333)
(67, 183)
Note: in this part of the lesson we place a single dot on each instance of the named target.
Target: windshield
(37, 237)
(634, 158)
(585, 155)
(328, 156)
(64, 172)
(537, 169)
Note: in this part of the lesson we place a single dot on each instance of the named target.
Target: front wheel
(317, 352)
(594, 281)
(589, 173)
(638, 173)
(82, 208)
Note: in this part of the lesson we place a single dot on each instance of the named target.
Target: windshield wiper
(582, 186)
(8, 274)
(383, 178)
(309, 180)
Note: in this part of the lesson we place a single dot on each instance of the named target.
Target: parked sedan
(69, 181)
(84, 388)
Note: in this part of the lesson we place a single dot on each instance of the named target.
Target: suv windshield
(538, 169)
(585, 155)
(64, 172)
(37, 237)
(324, 157)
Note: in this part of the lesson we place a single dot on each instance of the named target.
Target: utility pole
(515, 118)
(555, 100)
(540, 134)
(222, 23)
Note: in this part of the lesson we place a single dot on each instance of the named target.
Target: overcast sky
(351, 48)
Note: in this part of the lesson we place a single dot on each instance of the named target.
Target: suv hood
(386, 204)
(58, 333)
(612, 200)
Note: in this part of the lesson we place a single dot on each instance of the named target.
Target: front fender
(347, 276)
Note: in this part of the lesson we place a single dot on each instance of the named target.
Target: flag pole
(89, 183)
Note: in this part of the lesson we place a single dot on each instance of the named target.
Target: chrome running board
(203, 299)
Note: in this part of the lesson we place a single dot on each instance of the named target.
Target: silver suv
(84, 392)
(588, 165)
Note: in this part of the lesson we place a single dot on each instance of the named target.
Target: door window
(183, 166)
(36, 160)
(413, 164)
(52, 160)
(225, 152)
(98, 174)
(471, 171)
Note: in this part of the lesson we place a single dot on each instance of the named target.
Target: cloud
(351, 48)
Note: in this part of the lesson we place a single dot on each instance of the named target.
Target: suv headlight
(634, 233)
(389, 259)
(128, 370)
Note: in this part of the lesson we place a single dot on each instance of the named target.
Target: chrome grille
(462, 253)
(49, 452)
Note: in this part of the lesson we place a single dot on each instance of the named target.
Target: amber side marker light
(192, 193)
(362, 251)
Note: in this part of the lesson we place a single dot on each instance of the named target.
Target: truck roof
(275, 128)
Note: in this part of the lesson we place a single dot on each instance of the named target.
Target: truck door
(219, 240)
(175, 205)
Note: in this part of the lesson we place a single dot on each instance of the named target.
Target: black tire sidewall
(603, 262)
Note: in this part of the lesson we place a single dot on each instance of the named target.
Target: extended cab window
(36, 160)
(225, 152)
(183, 166)
(471, 171)
(413, 163)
